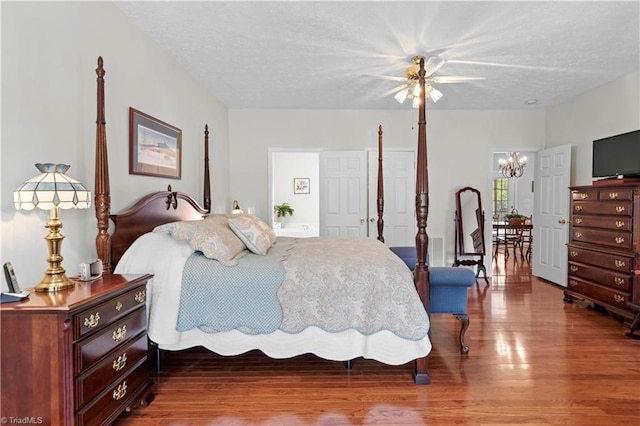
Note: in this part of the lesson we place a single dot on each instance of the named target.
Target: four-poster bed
(170, 215)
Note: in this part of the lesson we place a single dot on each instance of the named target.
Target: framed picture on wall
(301, 186)
(155, 147)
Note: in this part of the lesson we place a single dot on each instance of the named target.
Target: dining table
(501, 229)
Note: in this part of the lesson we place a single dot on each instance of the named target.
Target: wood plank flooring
(533, 360)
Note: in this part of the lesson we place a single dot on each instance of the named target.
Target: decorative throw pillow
(212, 236)
(254, 233)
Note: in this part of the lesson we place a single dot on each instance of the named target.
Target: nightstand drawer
(101, 315)
(114, 397)
(89, 351)
(93, 382)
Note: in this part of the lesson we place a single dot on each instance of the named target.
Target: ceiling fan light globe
(401, 95)
(416, 102)
(435, 95)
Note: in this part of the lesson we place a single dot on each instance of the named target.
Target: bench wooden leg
(464, 319)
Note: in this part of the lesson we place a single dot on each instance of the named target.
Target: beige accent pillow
(254, 233)
(212, 236)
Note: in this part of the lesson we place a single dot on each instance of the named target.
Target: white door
(399, 197)
(551, 214)
(343, 194)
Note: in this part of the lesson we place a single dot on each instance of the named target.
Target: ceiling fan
(410, 89)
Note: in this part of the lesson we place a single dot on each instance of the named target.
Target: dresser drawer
(615, 223)
(90, 350)
(619, 239)
(99, 316)
(599, 294)
(109, 370)
(623, 208)
(114, 397)
(605, 260)
(615, 194)
(617, 280)
(590, 194)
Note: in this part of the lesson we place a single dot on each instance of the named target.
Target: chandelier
(512, 166)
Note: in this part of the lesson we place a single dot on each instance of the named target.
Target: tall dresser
(604, 246)
(78, 356)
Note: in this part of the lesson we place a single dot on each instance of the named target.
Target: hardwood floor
(533, 359)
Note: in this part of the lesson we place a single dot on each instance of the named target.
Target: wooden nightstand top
(83, 294)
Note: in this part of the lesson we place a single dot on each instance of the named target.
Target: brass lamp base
(55, 278)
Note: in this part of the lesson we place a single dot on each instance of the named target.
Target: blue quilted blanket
(221, 298)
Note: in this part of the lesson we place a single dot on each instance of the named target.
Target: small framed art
(155, 147)
(301, 185)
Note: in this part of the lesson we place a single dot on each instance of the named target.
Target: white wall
(460, 147)
(608, 110)
(49, 57)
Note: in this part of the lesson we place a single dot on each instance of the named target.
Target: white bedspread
(161, 255)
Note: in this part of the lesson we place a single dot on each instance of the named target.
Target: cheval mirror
(469, 233)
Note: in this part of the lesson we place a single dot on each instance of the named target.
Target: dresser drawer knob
(618, 298)
(573, 283)
(578, 234)
(140, 297)
(619, 240)
(619, 224)
(620, 209)
(119, 333)
(584, 196)
(119, 306)
(578, 208)
(619, 280)
(574, 268)
(613, 195)
(573, 253)
(620, 263)
(578, 221)
(92, 321)
(119, 363)
(121, 391)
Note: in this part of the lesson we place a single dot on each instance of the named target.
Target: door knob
(562, 221)
(371, 219)
(363, 220)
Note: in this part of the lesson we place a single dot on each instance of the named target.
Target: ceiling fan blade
(454, 79)
(387, 77)
(433, 64)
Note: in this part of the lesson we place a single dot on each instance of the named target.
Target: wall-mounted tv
(617, 156)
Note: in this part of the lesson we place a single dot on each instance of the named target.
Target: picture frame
(155, 147)
(301, 186)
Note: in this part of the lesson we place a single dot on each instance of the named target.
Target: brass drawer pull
(619, 240)
(119, 333)
(119, 363)
(574, 268)
(121, 391)
(140, 297)
(573, 283)
(618, 298)
(619, 281)
(573, 253)
(92, 321)
(619, 223)
(578, 208)
(578, 221)
(584, 196)
(119, 306)
(620, 209)
(578, 234)
(620, 263)
(613, 195)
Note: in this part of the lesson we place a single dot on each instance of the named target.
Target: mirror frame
(477, 235)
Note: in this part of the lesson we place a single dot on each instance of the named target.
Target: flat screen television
(617, 156)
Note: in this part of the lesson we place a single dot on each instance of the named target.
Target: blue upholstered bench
(448, 289)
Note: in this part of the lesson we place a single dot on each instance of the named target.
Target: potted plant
(282, 210)
(515, 218)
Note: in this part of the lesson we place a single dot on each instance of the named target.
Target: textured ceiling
(330, 54)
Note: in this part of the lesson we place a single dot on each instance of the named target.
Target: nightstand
(78, 356)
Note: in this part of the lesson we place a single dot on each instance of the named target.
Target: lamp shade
(52, 188)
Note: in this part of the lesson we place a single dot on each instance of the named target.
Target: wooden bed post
(380, 199)
(207, 185)
(102, 197)
(421, 274)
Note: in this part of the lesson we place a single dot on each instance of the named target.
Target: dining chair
(526, 240)
(510, 239)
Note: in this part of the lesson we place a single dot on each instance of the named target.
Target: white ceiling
(331, 54)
